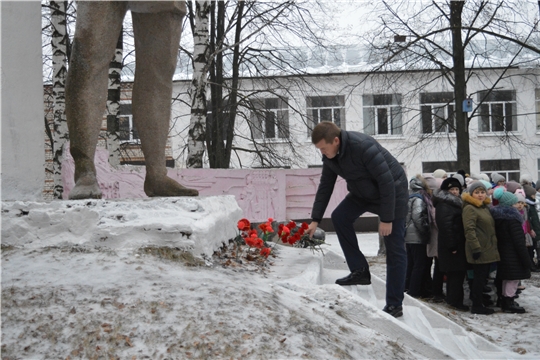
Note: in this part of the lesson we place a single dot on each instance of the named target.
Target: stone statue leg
(157, 38)
(96, 34)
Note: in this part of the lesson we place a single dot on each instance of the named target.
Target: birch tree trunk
(113, 104)
(59, 45)
(197, 125)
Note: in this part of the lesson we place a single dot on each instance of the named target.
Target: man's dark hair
(325, 130)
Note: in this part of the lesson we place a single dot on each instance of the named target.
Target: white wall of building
(23, 144)
(523, 144)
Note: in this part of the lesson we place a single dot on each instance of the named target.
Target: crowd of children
(473, 228)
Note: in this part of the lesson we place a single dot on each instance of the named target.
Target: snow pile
(67, 293)
(199, 224)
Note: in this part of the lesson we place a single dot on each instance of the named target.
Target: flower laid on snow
(244, 225)
(296, 236)
(267, 230)
(251, 238)
(253, 242)
(290, 233)
(265, 252)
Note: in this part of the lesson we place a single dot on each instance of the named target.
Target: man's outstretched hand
(385, 229)
(311, 229)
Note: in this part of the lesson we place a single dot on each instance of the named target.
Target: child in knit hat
(512, 186)
(497, 179)
(530, 199)
(525, 179)
(440, 174)
(481, 241)
(514, 264)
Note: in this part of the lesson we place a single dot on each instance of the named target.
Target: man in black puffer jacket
(377, 184)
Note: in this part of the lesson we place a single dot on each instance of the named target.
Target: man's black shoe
(395, 311)
(357, 277)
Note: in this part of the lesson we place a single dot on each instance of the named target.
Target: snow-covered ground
(100, 298)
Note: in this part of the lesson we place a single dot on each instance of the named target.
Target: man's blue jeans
(343, 218)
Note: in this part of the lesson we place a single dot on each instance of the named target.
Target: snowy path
(432, 335)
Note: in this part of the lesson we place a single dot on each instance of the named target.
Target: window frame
(133, 137)
(505, 167)
(448, 121)
(279, 113)
(488, 100)
(331, 103)
(374, 105)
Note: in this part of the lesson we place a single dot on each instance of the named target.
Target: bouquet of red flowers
(251, 238)
(296, 235)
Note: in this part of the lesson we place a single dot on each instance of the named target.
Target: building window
(497, 111)
(508, 168)
(537, 102)
(437, 112)
(270, 118)
(382, 114)
(127, 133)
(325, 108)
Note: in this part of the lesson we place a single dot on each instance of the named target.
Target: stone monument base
(199, 225)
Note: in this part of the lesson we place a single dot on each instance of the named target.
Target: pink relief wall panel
(282, 194)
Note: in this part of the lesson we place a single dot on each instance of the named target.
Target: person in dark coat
(515, 263)
(452, 259)
(376, 183)
(530, 194)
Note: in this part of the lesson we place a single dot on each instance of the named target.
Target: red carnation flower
(265, 252)
(258, 243)
(285, 232)
(244, 225)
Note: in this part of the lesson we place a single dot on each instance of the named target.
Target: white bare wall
(23, 154)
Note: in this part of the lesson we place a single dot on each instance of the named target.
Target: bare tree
(458, 41)
(254, 39)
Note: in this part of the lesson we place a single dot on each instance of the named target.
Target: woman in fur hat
(514, 264)
(451, 238)
(481, 242)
